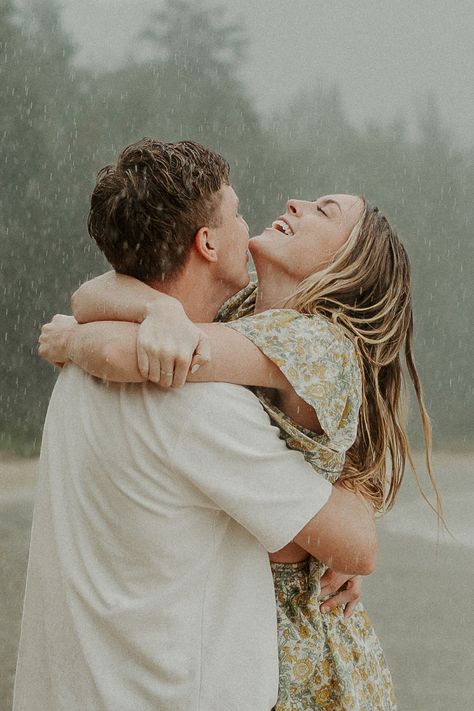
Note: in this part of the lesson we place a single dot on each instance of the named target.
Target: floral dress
(327, 662)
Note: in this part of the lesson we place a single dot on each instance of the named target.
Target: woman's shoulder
(318, 360)
(316, 331)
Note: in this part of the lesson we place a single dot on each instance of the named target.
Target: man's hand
(347, 589)
(169, 345)
(53, 343)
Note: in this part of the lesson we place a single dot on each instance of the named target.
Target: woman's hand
(54, 341)
(347, 589)
(169, 345)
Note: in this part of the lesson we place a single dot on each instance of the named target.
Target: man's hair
(146, 209)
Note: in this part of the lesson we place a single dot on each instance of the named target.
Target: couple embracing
(201, 547)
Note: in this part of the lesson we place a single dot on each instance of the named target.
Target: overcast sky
(386, 55)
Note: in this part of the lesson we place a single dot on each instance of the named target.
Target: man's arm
(342, 534)
(231, 452)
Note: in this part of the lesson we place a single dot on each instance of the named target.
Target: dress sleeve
(240, 304)
(317, 359)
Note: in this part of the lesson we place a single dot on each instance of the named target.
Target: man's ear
(205, 245)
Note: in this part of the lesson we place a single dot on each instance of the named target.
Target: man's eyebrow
(329, 200)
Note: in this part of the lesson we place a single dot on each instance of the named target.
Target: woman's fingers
(181, 370)
(348, 596)
(143, 361)
(332, 581)
(351, 607)
(164, 373)
(342, 598)
(184, 365)
(167, 341)
(168, 363)
(355, 586)
(202, 354)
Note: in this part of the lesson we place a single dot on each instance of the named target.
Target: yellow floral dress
(327, 662)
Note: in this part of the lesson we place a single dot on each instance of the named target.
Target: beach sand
(420, 598)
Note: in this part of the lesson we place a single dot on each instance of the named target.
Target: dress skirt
(327, 662)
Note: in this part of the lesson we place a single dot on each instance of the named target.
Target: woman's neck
(274, 289)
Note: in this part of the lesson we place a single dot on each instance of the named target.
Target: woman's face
(308, 235)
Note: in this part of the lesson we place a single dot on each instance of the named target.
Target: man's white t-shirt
(149, 586)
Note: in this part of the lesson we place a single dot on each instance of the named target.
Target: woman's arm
(170, 349)
(108, 349)
(163, 339)
(235, 359)
(103, 348)
(114, 297)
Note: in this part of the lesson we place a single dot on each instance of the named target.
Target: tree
(61, 125)
(40, 204)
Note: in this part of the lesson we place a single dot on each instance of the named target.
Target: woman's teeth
(282, 227)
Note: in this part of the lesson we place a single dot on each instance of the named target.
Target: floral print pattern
(327, 662)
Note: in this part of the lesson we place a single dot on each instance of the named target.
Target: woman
(332, 312)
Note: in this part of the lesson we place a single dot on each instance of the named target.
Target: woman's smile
(283, 226)
(305, 238)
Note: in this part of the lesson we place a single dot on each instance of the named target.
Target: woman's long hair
(366, 289)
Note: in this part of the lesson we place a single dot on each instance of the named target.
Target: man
(149, 585)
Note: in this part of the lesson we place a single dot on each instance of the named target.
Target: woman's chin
(267, 241)
(266, 263)
(258, 249)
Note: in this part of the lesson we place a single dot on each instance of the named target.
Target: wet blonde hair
(366, 289)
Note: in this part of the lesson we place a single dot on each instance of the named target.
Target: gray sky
(386, 55)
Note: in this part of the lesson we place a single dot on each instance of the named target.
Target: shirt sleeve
(229, 450)
(317, 359)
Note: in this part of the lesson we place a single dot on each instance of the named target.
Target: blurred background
(303, 99)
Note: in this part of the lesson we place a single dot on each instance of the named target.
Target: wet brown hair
(146, 209)
(367, 290)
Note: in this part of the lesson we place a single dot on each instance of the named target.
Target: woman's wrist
(162, 303)
(72, 345)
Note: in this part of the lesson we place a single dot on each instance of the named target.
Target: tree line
(62, 123)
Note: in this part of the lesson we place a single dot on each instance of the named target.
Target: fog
(303, 99)
(385, 55)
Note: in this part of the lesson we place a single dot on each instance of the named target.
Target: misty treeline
(61, 123)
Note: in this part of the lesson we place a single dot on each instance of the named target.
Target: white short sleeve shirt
(149, 586)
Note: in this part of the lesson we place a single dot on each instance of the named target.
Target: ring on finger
(164, 372)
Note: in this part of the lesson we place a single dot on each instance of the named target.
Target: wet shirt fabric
(149, 586)
(327, 662)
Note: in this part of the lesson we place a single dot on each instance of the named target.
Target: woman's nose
(294, 207)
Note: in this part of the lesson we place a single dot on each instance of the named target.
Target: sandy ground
(420, 598)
